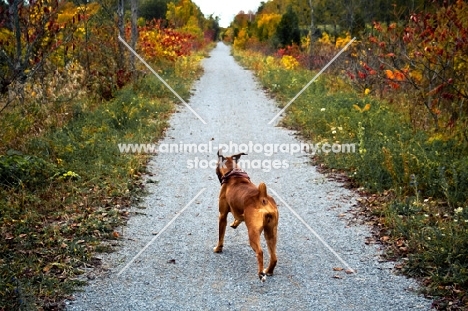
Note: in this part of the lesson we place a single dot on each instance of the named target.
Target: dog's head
(227, 164)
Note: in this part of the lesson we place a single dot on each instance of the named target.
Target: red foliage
(426, 58)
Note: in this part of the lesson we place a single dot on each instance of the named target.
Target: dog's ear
(237, 156)
(220, 156)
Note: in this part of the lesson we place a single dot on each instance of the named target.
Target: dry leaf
(349, 271)
(337, 269)
(336, 276)
(115, 234)
(385, 238)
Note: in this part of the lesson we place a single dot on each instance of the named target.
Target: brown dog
(247, 203)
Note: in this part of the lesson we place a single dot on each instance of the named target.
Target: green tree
(288, 31)
(211, 27)
(153, 9)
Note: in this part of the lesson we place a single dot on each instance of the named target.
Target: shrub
(17, 170)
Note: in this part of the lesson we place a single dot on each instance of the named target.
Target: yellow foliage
(416, 75)
(7, 36)
(268, 23)
(69, 12)
(341, 42)
(193, 28)
(437, 137)
(289, 62)
(179, 14)
(325, 39)
(270, 60)
(367, 107)
(305, 42)
(460, 62)
(187, 65)
(241, 39)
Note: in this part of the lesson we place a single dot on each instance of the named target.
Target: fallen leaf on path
(385, 238)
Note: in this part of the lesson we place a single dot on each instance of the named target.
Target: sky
(226, 9)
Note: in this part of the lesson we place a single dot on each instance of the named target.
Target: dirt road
(166, 262)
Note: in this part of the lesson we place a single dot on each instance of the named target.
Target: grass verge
(421, 178)
(64, 190)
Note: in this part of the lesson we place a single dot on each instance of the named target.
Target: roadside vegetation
(400, 93)
(69, 94)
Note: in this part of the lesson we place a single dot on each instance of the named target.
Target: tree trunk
(134, 21)
(18, 59)
(311, 35)
(120, 24)
(312, 24)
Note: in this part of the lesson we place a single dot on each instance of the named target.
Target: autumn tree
(241, 21)
(266, 25)
(182, 13)
(27, 33)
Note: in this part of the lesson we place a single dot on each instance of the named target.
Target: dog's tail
(271, 214)
(263, 195)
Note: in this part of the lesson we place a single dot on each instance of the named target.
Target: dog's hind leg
(223, 213)
(254, 230)
(270, 232)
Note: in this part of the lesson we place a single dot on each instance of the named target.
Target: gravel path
(178, 269)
